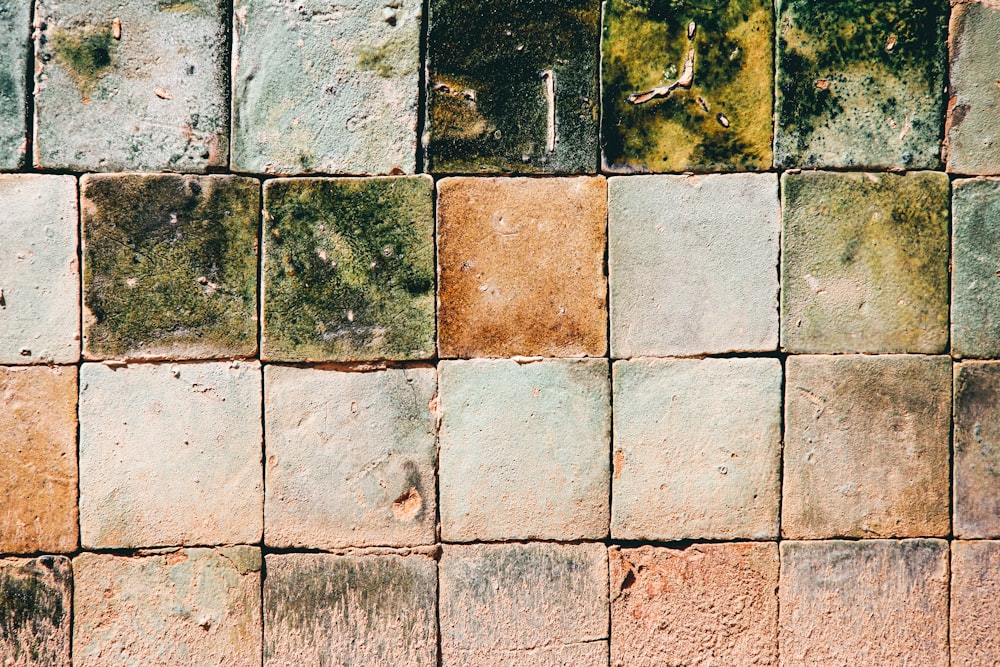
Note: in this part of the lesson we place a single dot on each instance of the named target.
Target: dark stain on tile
(35, 605)
(87, 52)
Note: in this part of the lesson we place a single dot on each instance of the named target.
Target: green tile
(861, 83)
(512, 86)
(170, 266)
(15, 34)
(687, 86)
(975, 295)
(349, 269)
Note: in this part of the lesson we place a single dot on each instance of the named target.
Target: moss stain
(31, 610)
(87, 52)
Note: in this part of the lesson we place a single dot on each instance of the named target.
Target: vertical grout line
(29, 95)
(420, 165)
(437, 425)
(263, 406)
(600, 95)
(230, 70)
(79, 387)
(611, 392)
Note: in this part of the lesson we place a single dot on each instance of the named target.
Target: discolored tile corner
(349, 269)
(170, 266)
(15, 47)
(976, 454)
(974, 632)
(975, 286)
(36, 598)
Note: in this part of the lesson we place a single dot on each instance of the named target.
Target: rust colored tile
(975, 603)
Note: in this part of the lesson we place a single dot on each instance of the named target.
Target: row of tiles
(336, 88)
(171, 454)
(870, 602)
(353, 269)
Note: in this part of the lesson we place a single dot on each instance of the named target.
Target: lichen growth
(87, 52)
(32, 612)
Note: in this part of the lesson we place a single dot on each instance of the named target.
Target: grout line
(420, 159)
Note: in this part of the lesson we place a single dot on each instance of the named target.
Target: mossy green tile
(348, 269)
(15, 45)
(864, 262)
(687, 86)
(512, 86)
(975, 292)
(861, 83)
(170, 266)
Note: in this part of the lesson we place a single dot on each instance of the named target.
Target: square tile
(974, 632)
(524, 605)
(170, 455)
(693, 264)
(350, 457)
(38, 474)
(864, 262)
(697, 449)
(521, 267)
(348, 269)
(975, 285)
(36, 599)
(512, 88)
(131, 85)
(15, 45)
(170, 266)
(326, 87)
(687, 87)
(524, 449)
(178, 608)
(976, 455)
(708, 604)
(866, 446)
(39, 270)
(861, 83)
(868, 602)
(340, 611)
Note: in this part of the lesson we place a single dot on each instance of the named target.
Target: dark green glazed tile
(861, 83)
(349, 269)
(975, 290)
(170, 266)
(687, 86)
(15, 34)
(512, 86)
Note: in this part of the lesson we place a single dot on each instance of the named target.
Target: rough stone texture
(39, 270)
(872, 602)
(697, 449)
(36, 598)
(15, 44)
(710, 604)
(170, 455)
(662, 115)
(349, 269)
(975, 287)
(153, 99)
(693, 264)
(866, 446)
(860, 83)
(170, 266)
(512, 88)
(524, 449)
(976, 465)
(524, 605)
(975, 603)
(326, 87)
(520, 267)
(340, 611)
(973, 124)
(38, 475)
(350, 457)
(864, 263)
(178, 608)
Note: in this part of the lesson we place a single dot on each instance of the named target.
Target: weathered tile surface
(170, 266)
(180, 608)
(36, 597)
(521, 267)
(524, 605)
(710, 604)
(976, 464)
(15, 45)
(322, 87)
(39, 270)
(524, 449)
(861, 83)
(975, 287)
(864, 264)
(693, 264)
(512, 88)
(697, 449)
(973, 122)
(349, 269)
(38, 475)
(154, 97)
(339, 611)
(170, 454)
(350, 457)
(870, 602)
(866, 446)
(687, 86)
(975, 603)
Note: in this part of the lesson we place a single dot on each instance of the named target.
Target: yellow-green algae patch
(87, 52)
